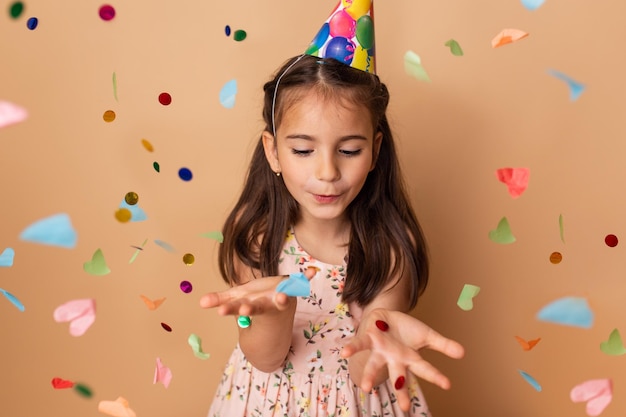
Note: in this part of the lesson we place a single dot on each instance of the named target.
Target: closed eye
(350, 153)
(301, 152)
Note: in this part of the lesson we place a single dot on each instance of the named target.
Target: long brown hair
(385, 238)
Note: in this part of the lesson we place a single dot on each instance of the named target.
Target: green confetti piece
(455, 48)
(83, 390)
(214, 235)
(413, 66)
(502, 234)
(465, 301)
(196, 345)
(16, 9)
(561, 228)
(97, 266)
(240, 35)
(614, 346)
(115, 86)
(156, 166)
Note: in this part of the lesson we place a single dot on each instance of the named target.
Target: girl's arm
(267, 341)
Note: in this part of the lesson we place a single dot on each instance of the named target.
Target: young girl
(324, 196)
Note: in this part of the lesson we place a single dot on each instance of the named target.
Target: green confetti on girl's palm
(455, 48)
(502, 234)
(614, 346)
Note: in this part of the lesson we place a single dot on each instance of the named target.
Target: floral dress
(314, 380)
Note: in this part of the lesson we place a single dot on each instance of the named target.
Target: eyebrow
(342, 139)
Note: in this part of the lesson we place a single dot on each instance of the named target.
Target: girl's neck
(326, 241)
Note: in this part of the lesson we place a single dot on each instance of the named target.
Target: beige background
(489, 109)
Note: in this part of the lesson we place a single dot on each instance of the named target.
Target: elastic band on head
(276, 90)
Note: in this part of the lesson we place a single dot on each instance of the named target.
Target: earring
(278, 173)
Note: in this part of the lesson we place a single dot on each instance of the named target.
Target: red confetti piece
(165, 99)
(611, 241)
(383, 326)
(59, 383)
(107, 12)
(166, 327)
(399, 383)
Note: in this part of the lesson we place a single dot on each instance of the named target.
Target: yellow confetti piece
(108, 116)
(123, 215)
(146, 144)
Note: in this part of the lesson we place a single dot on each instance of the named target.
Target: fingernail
(383, 326)
(399, 383)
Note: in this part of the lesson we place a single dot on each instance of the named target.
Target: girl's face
(324, 151)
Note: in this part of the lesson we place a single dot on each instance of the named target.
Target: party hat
(348, 35)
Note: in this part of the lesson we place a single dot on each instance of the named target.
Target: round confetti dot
(244, 322)
(156, 166)
(32, 23)
(131, 198)
(185, 174)
(186, 287)
(556, 257)
(227, 30)
(106, 12)
(189, 259)
(166, 327)
(108, 116)
(16, 9)
(240, 35)
(83, 390)
(611, 241)
(123, 215)
(165, 99)
(147, 145)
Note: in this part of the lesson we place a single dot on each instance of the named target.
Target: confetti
(97, 266)
(115, 86)
(240, 35)
(297, 285)
(136, 213)
(55, 230)
(561, 233)
(532, 4)
(455, 48)
(166, 327)
(58, 383)
(80, 313)
(32, 23)
(162, 374)
(16, 9)
(156, 166)
(597, 393)
(147, 145)
(11, 114)
(614, 346)
(575, 88)
(196, 345)
(413, 66)
(131, 198)
(532, 381)
(123, 215)
(527, 345)
(185, 174)
(106, 12)
(556, 257)
(214, 235)
(139, 249)
(465, 300)
(502, 234)
(6, 257)
(188, 259)
(108, 116)
(117, 408)
(227, 30)
(186, 287)
(228, 94)
(165, 245)
(13, 299)
(152, 304)
(611, 241)
(165, 99)
(507, 36)
(569, 311)
(83, 390)
(516, 179)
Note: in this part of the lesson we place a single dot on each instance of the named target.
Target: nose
(327, 168)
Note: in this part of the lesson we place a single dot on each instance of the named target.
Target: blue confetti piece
(17, 303)
(6, 258)
(532, 381)
(532, 4)
(575, 88)
(137, 213)
(227, 30)
(165, 245)
(297, 285)
(55, 230)
(185, 174)
(32, 23)
(569, 311)
(228, 93)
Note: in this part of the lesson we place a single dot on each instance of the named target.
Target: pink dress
(314, 381)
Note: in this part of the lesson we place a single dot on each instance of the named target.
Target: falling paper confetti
(147, 145)
(55, 230)
(614, 346)
(185, 174)
(106, 12)
(507, 36)
(611, 241)
(136, 213)
(16, 9)
(598, 394)
(117, 408)
(227, 30)
(165, 245)
(59, 383)
(80, 313)
(228, 94)
(569, 311)
(13, 299)
(83, 390)
(532, 4)
(152, 304)
(97, 266)
(561, 233)
(413, 66)
(115, 86)
(108, 116)
(139, 249)
(123, 215)
(11, 114)
(239, 35)
(575, 88)
(297, 285)
(156, 166)
(165, 99)
(527, 345)
(32, 23)
(465, 300)
(131, 198)
(188, 259)
(166, 327)
(6, 257)
(162, 374)
(532, 381)
(196, 345)
(516, 179)
(502, 234)
(455, 48)
(556, 257)
(214, 235)
(186, 287)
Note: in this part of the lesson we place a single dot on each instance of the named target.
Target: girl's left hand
(394, 340)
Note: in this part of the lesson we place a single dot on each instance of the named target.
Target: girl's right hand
(255, 297)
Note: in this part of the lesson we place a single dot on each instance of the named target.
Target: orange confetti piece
(527, 345)
(146, 144)
(123, 215)
(152, 304)
(117, 408)
(508, 36)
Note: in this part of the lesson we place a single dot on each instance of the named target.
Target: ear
(378, 140)
(271, 153)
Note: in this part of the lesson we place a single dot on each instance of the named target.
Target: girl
(324, 196)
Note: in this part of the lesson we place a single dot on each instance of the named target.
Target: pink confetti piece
(80, 313)
(598, 394)
(11, 113)
(162, 374)
(516, 179)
